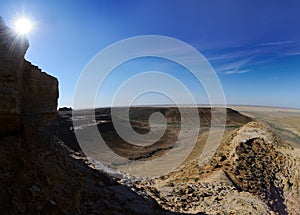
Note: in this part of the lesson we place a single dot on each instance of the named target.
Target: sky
(252, 45)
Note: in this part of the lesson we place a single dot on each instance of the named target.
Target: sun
(23, 26)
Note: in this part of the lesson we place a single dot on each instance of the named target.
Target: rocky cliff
(253, 171)
(39, 174)
(28, 95)
(260, 162)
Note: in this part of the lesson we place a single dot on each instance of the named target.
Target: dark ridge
(139, 119)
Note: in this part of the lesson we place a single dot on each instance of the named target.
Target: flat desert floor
(284, 121)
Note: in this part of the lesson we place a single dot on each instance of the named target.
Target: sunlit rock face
(27, 95)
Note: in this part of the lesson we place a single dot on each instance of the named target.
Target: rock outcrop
(39, 174)
(28, 95)
(260, 162)
(253, 171)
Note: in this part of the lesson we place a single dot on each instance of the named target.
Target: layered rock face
(38, 173)
(28, 95)
(262, 164)
(40, 94)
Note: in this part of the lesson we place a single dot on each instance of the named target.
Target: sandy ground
(286, 122)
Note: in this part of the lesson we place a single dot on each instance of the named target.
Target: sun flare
(23, 26)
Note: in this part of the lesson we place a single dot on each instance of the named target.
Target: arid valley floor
(255, 170)
(50, 163)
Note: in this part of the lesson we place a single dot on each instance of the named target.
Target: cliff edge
(38, 173)
(28, 95)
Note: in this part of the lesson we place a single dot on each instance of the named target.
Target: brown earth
(253, 171)
(44, 171)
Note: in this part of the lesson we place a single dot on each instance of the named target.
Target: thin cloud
(292, 53)
(230, 72)
(235, 54)
(233, 65)
(233, 61)
(278, 43)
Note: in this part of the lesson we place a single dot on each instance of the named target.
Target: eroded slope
(253, 171)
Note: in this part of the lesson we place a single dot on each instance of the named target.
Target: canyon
(43, 169)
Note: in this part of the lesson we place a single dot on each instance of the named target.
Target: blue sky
(254, 46)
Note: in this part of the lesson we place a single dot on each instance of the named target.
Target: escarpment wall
(12, 51)
(40, 94)
(27, 95)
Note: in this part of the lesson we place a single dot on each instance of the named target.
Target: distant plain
(284, 121)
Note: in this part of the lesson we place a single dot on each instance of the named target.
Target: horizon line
(182, 105)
